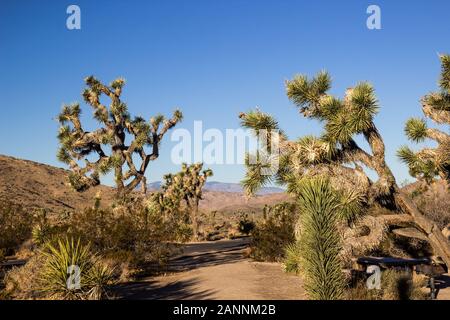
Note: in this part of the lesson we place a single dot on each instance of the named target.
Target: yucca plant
(72, 271)
(320, 241)
(99, 277)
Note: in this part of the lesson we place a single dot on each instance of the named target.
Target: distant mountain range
(224, 187)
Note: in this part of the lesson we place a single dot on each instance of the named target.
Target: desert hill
(35, 185)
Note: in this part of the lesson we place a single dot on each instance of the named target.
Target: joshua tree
(336, 154)
(184, 187)
(320, 244)
(77, 145)
(428, 163)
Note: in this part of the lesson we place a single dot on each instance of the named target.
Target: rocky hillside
(35, 185)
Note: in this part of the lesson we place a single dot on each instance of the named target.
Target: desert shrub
(401, 285)
(217, 231)
(291, 261)
(320, 242)
(129, 235)
(276, 230)
(245, 225)
(395, 285)
(94, 276)
(105, 230)
(15, 227)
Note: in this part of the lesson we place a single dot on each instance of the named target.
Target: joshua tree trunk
(432, 232)
(194, 219)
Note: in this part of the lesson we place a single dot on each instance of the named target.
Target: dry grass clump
(395, 285)
(22, 282)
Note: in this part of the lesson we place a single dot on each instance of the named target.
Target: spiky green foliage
(420, 166)
(444, 81)
(429, 163)
(119, 132)
(416, 129)
(291, 261)
(355, 115)
(307, 94)
(255, 178)
(258, 120)
(351, 204)
(94, 277)
(320, 241)
(335, 152)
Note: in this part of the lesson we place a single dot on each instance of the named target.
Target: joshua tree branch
(76, 144)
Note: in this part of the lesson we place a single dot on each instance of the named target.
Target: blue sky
(213, 59)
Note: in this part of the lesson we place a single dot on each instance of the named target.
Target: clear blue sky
(213, 59)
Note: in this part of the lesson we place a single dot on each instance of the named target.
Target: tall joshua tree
(428, 163)
(116, 125)
(187, 185)
(336, 154)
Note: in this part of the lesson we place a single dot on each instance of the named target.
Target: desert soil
(217, 270)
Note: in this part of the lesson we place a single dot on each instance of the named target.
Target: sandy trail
(218, 270)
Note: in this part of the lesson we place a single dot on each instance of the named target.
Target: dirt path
(218, 270)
